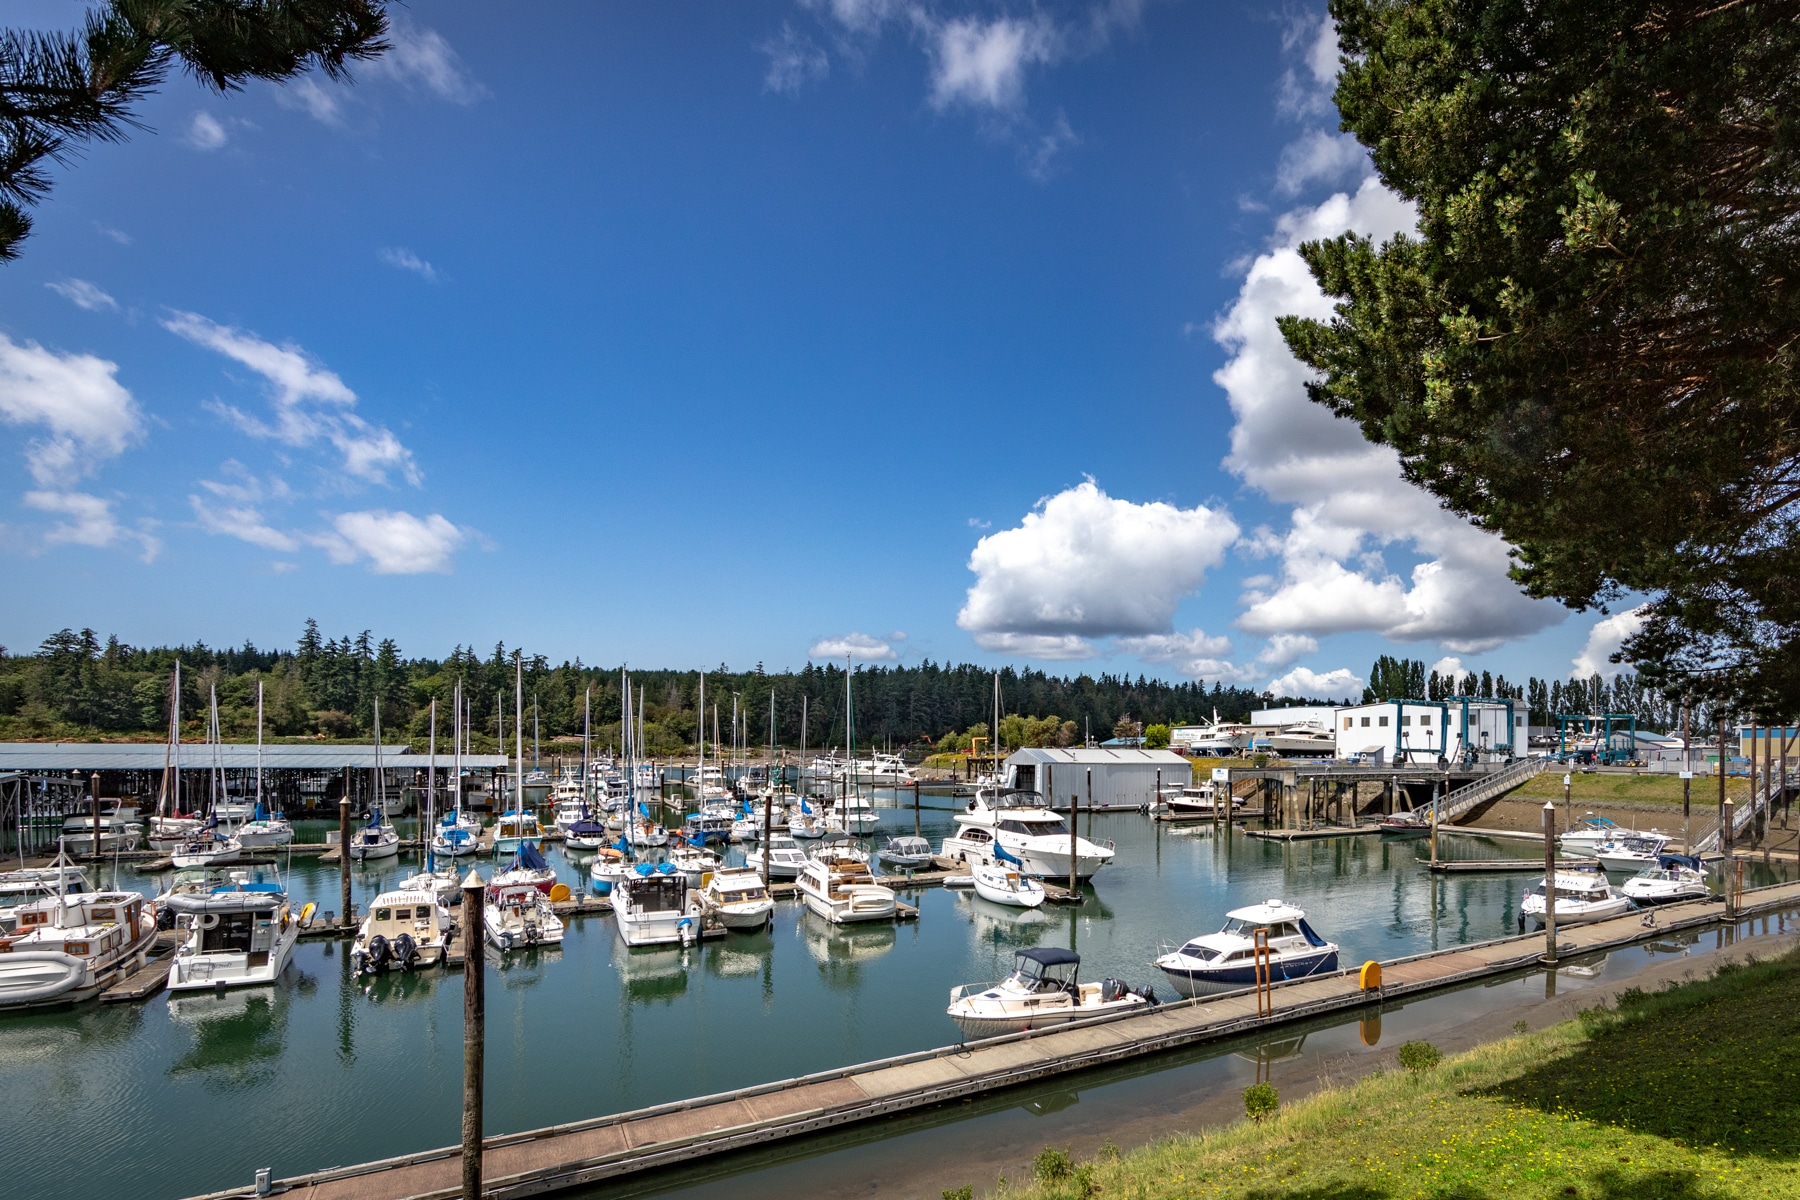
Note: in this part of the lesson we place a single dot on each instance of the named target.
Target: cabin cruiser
(1221, 739)
(404, 929)
(1586, 838)
(709, 826)
(1043, 990)
(1296, 741)
(527, 869)
(786, 859)
(514, 829)
(1406, 824)
(116, 832)
(839, 846)
(376, 839)
(569, 809)
(1631, 853)
(68, 948)
(1580, 896)
(28, 885)
(842, 890)
(907, 853)
(853, 812)
(1226, 960)
(442, 883)
(585, 834)
(1018, 820)
(653, 906)
(1673, 877)
(237, 933)
(1001, 884)
(695, 862)
(736, 895)
(519, 916)
(1201, 801)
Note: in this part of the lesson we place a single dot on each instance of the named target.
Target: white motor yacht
(1580, 896)
(28, 885)
(1674, 877)
(204, 847)
(1226, 960)
(1631, 853)
(71, 947)
(1043, 990)
(116, 832)
(515, 828)
(1200, 801)
(376, 839)
(1000, 884)
(569, 809)
(1018, 820)
(839, 846)
(609, 866)
(404, 930)
(695, 862)
(653, 906)
(786, 859)
(906, 853)
(236, 934)
(1221, 739)
(519, 916)
(1585, 839)
(842, 891)
(736, 895)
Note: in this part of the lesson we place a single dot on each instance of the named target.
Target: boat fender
(209, 920)
(1369, 977)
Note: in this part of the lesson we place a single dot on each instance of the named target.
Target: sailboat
(210, 844)
(457, 833)
(264, 828)
(167, 830)
(377, 838)
(518, 824)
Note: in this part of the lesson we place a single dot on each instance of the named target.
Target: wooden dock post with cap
(1550, 881)
(474, 1042)
(344, 853)
(1727, 811)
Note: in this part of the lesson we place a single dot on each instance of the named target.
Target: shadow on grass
(1610, 1184)
(1709, 1064)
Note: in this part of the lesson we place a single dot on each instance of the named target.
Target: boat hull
(1201, 981)
(207, 972)
(974, 1027)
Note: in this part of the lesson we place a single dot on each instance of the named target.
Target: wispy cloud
(305, 94)
(117, 235)
(859, 646)
(393, 543)
(421, 59)
(310, 403)
(83, 294)
(205, 133)
(1306, 86)
(89, 521)
(795, 60)
(982, 63)
(1318, 157)
(400, 258)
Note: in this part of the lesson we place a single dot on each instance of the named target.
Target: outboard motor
(406, 951)
(1148, 993)
(165, 918)
(378, 954)
(1112, 988)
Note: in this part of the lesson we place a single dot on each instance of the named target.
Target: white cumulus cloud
(1449, 667)
(83, 294)
(1083, 565)
(859, 646)
(1318, 157)
(394, 543)
(205, 132)
(1603, 640)
(1304, 682)
(310, 403)
(1349, 501)
(84, 412)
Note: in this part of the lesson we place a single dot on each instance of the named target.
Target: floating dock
(585, 1152)
(1308, 835)
(1472, 866)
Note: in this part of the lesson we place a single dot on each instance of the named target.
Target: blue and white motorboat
(585, 834)
(1226, 960)
(1584, 839)
(1674, 877)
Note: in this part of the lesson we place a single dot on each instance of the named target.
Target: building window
(1519, 722)
(1405, 719)
(1366, 722)
(1424, 718)
(1347, 722)
(1384, 722)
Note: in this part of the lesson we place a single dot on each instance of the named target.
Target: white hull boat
(843, 891)
(1017, 821)
(1581, 896)
(736, 896)
(1043, 991)
(70, 948)
(233, 936)
(1226, 960)
(997, 885)
(907, 853)
(785, 858)
(653, 906)
(520, 917)
(404, 930)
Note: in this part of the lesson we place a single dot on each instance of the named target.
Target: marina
(796, 999)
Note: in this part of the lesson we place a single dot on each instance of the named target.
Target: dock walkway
(584, 1152)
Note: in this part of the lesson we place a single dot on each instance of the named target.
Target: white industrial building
(1427, 730)
(1117, 778)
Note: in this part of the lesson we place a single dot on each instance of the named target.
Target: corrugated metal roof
(1097, 757)
(150, 756)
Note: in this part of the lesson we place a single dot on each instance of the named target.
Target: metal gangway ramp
(1467, 799)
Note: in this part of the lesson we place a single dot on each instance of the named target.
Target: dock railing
(1490, 787)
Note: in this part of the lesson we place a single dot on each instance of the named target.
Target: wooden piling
(1726, 811)
(1550, 881)
(474, 1041)
(344, 853)
(94, 787)
(915, 811)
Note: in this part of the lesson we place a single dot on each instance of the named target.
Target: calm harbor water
(192, 1094)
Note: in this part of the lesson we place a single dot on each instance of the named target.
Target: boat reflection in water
(840, 950)
(238, 1036)
(648, 975)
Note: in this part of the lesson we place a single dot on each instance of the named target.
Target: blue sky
(738, 332)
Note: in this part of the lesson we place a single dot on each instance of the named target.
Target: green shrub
(1521, 1027)
(1420, 1056)
(1052, 1165)
(1261, 1100)
(965, 1192)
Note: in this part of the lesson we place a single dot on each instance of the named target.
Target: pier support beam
(1549, 881)
(347, 918)
(474, 1037)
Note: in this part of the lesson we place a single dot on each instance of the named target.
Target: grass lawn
(1615, 789)
(1692, 1093)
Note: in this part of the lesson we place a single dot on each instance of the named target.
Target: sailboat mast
(700, 728)
(378, 809)
(519, 730)
(587, 700)
(456, 779)
(259, 715)
(430, 790)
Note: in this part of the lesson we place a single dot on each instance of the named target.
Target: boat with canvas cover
(69, 948)
(1043, 990)
(236, 933)
(1674, 877)
(1581, 896)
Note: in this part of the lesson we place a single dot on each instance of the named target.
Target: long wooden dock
(1308, 835)
(1462, 866)
(584, 1152)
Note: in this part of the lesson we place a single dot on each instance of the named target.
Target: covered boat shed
(1122, 778)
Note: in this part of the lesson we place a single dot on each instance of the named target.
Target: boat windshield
(1015, 798)
(1034, 828)
(1033, 977)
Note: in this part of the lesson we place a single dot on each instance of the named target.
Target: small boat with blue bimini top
(1674, 877)
(653, 906)
(1584, 839)
(1226, 960)
(1581, 895)
(1043, 990)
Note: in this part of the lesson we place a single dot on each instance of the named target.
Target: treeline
(1397, 678)
(77, 686)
